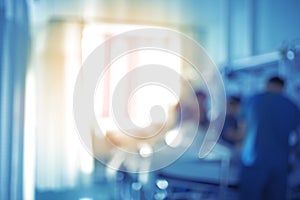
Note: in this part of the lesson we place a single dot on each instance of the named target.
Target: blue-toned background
(43, 44)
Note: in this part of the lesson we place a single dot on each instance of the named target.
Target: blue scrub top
(270, 118)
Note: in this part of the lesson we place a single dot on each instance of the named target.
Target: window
(143, 99)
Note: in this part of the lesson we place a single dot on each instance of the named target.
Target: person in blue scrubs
(270, 117)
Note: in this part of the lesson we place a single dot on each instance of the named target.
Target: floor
(124, 186)
(175, 182)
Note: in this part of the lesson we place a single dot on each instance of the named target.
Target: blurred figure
(188, 113)
(232, 133)
(201, 98)
(190, 118)
(270, 117)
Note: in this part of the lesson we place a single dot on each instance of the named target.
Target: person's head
(201, 96)
(233, 106)
(275, 84)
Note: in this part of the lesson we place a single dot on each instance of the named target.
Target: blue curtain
(14, 52)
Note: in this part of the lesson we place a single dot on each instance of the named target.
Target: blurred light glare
(145, 98)
(146, 150)
(290, 55)
(173, 138)
(162, 184)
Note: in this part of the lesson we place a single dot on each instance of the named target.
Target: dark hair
(200, 93)
(277, 80)
(234, 100)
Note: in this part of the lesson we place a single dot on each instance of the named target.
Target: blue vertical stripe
(14, 40)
